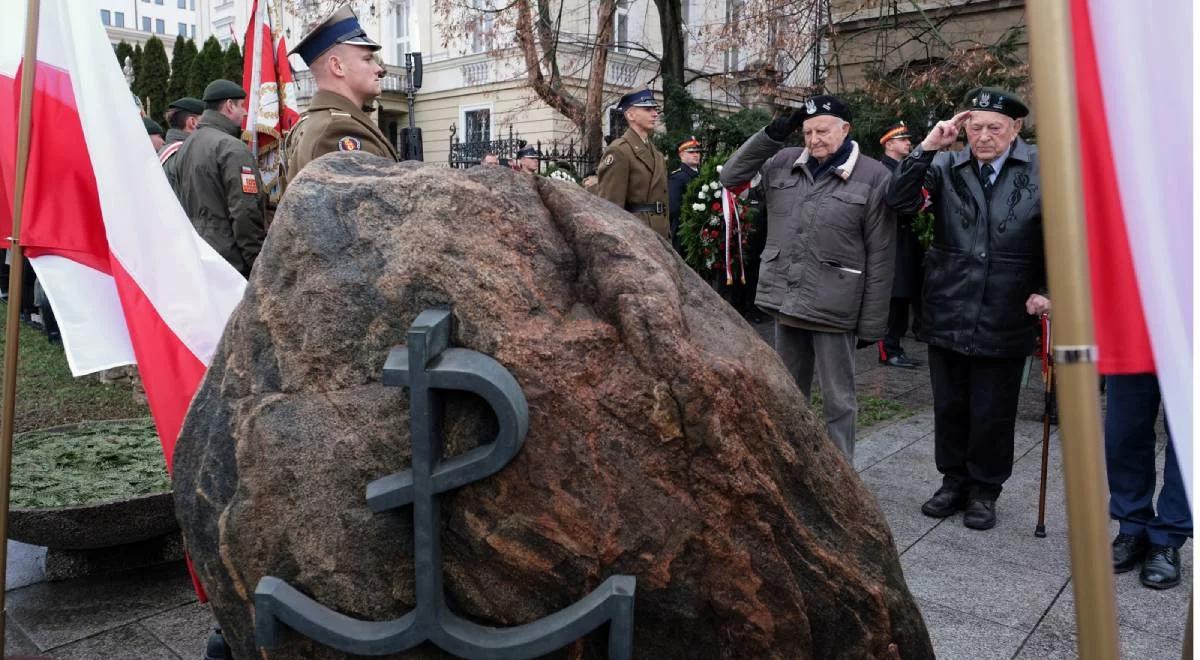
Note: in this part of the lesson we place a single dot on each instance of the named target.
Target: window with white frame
(476, 122)
(105, 17)
(160, 26)
(483, 25)
(182, 30)
(403, 18)
(119, 18)
(733, 14)
(621, 27)
(145, 24)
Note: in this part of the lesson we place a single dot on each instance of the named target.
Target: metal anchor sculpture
(425, 365)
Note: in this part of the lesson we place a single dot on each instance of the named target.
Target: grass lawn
(48, 395)
(871, 410)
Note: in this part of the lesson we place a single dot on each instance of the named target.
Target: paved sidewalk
(997, 594)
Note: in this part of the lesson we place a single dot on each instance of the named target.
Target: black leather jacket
(987, 255)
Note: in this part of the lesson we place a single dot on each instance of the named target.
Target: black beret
(219, 90)
(826, 105)
(994, 99)
(188, 104)
(152, 127)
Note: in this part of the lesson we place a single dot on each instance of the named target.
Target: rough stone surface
(666, 439)
(100, 525)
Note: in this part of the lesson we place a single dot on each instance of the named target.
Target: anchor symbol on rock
(426, 365)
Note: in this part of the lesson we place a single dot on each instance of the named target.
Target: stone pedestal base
(67, 564)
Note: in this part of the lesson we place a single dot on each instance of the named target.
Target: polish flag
(266, 98)
(289, 109)
(128, 277)
(1134, 105)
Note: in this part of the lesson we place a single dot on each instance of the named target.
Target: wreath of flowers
(556, 171)
(703, 230)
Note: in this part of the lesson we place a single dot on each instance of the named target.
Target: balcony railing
(476, 73)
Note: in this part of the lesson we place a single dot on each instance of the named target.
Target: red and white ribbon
(733, 230)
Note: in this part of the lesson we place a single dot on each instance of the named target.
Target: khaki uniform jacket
(633, 172)
(333, 123)
(829, 255)
(171, 164)
(222, 191)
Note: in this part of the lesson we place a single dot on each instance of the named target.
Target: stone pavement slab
(958, 635)
(131, 642)
(53, 614)
(184, 629)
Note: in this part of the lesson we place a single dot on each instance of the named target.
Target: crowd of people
(841, 267)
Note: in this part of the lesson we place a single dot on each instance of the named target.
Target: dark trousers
(1129, 444)
(897, 327)
(975, 414)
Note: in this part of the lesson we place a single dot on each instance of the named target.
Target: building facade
(135, 21)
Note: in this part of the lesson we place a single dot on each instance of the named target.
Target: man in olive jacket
(182, 115)
(343, 62)
(826, 272)
(632, 172)
(981, 299)
(220, 185)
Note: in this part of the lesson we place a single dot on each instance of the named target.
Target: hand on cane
(1037, 305)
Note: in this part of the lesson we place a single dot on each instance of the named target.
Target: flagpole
(15, 272)
(255, 81)
(1074, 349)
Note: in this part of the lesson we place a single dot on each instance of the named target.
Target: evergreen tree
(155, 75)
(138, 78)
(208, 66)
(182, 57)
(233, 64)
(122, 51)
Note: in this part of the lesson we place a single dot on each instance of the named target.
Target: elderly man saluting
(826, 272)
(983, 275)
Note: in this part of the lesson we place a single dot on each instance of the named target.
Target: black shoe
(1161, 570)
(1128, 551)
(981, 514)
(945, 502)
(902, 361)
(217, 648)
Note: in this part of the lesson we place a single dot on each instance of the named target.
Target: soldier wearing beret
(220, 186)
(906, 285)
(632, 173)
(984, 278)
(826, 271)
(344, 66)
(182, 116)
(689, 163)
(154, 131)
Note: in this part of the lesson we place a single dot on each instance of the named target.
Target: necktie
(987, 170)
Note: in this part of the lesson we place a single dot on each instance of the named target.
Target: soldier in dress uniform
(689, 164)
(632, 173)
(528, 160)
(347, 73)
(220, 186)
(182, 116)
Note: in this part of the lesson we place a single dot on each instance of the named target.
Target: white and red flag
(275, 97)
(1134, 96)
(128, 277)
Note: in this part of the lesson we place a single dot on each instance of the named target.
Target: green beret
(219, 90)
(188, 104)
(152, 127)
(994, 99)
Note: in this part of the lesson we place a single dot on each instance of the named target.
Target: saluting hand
(945, 132)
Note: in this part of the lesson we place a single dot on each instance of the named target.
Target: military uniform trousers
(1129, 449)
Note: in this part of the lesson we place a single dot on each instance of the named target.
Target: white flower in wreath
(697, 207)
(716, 185)
(719, 168)
(562, 176)
(703, 194)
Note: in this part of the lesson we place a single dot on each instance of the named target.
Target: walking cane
(1048, 379)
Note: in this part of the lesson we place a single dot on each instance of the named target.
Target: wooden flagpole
(1074, 349)
(15, 272)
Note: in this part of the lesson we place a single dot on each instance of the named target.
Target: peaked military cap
(152, 127)
(897, 131)
(188, 104)
(642, 99)
(528, 152)
(340, 27)
(690, 144)
(826, 105)
(994, 99)
(221, 89)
